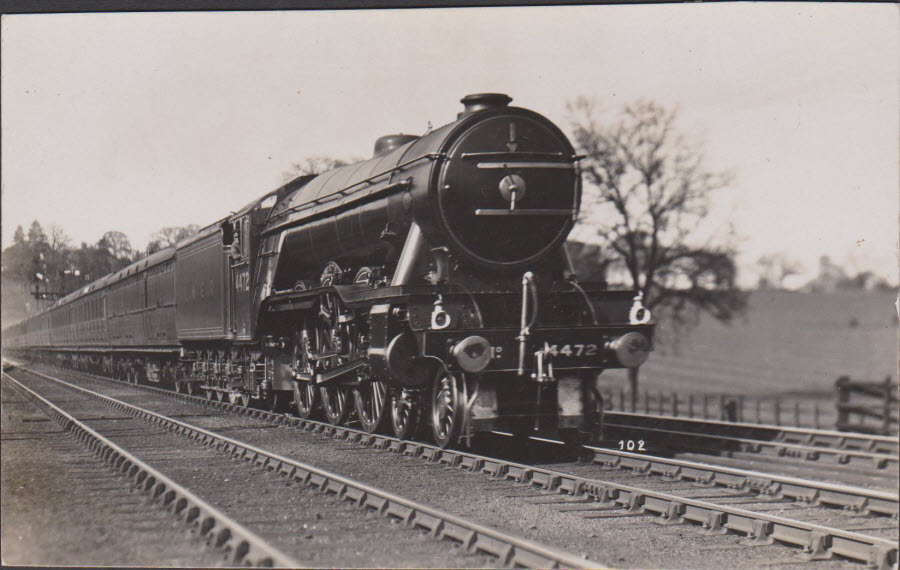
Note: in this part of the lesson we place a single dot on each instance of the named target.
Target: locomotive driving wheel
(447, 407)
(371, 399)
(335, 403)
(305, 393)
(332, 342)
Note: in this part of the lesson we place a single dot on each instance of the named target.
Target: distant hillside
(789, 341)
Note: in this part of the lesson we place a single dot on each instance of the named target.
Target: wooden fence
(869, 407)
(802, 412)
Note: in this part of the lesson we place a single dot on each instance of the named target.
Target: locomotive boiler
(426, 289)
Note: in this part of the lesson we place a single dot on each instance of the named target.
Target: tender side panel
(201, 291)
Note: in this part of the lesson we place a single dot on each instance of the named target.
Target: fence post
(797, 413)
(741, 409)
(675, 404)
(622, 400)
(886, 422)
(690, 405)
(722, 408)
(705, 407)
(816, 414)
(660, 404)
(758, 411)
(777, 412)
(843, 398)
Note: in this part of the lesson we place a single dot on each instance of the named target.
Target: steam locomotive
(425, 289)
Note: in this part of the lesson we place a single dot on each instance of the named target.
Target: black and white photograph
(535, 286)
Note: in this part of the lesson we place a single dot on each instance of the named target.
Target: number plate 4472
(570, 350)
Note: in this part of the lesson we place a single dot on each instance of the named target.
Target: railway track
(662, 495)
(822, 446)
(51, 482)
(850, 498)
(170, 440)
(242, 545)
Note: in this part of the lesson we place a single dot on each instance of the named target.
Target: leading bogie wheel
(406, 413)
(279, 401)
(371, 404)
(447, 407)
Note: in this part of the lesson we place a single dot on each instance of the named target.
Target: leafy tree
(51, 267)
(117, 245)
(36, 235)
(647, 193)
(41, 260)
(774, 269)
(39, 251)
(18, 261)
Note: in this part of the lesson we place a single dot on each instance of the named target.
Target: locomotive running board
(336, 373)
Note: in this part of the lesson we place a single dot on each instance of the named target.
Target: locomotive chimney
(387, 143)
(479, 101)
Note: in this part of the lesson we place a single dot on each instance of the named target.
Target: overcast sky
(138, 121)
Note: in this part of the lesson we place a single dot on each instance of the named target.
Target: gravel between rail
(61, 506)
(629, 540)
(316, 529)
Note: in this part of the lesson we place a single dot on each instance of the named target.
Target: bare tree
(169, 236)
(57, 238)
(313, 165)
(647, 194)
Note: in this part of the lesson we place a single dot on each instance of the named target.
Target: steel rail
(510, 550)
(787, 434)
(780, 449)
(857, 499)
(242, 545)
(819, 542)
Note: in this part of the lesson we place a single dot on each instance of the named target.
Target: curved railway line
(476, 539)
(806, 444)
(824, 520)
